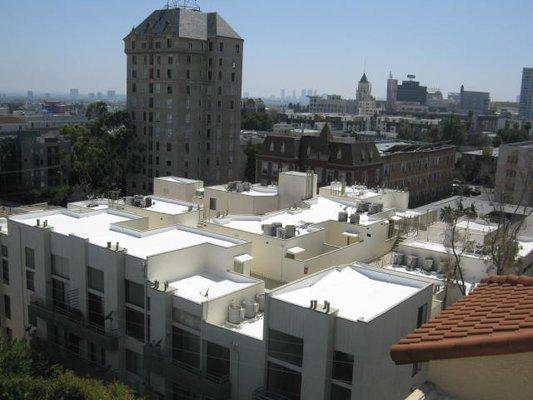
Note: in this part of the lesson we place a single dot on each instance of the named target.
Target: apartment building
(31, 162)
(324, 335)
(184, 78)
(331, 104)
(514, 174)
(396, 165)
(330, 157)
(425, 170)
(317, 233)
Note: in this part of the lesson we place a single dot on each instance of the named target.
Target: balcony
(213, 386)
(73, 321)
(263, 394)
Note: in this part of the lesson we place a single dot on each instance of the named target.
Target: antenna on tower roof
(186, 4)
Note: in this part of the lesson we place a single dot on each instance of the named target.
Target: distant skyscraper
(476, 102)
(526, 95)
(100, 95)
(91, 96)
(411, 91)
(184, 85)
(74, 94)
(364, 89)
(282, 94)
(111, 94)
(30, 95)
(392, 91)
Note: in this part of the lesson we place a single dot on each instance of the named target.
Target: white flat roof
(249, 327)
(436, 247)
(178, 179)
(477, 226)
(203, 287)
(97, 228)
(168, 206)
(256, 190)
(355, 294)
(321, 209)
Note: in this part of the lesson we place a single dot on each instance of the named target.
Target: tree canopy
(256, 121)
(26, 374)
(104, 152)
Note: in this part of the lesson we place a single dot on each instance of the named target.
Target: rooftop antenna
(186, 4)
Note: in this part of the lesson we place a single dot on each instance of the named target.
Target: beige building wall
(177, 188)
(498, 377)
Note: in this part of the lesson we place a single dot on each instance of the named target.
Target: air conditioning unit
(398, 259)
(251, 308)
(428, 264)
(290, 231)
(235, 313)
(442, 266)
(343, 216)
(260, 298)
(148, 202)
(411, 262)
(355, 218)
(268, 229)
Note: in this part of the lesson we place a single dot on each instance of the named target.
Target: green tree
(96, 110)
(104, 152)
(453, 130)
(256, 121)
(251, 156)
(25, 374)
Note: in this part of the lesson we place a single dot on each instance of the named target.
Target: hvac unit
(251, 308)
(290, 231)
(442, 266)
(428, 264)
(268, 229)
(355, 218)
(343, 216)
(398, 259)
(235, 313)
(260, 298)
(247, 186)
(375, 208)
(411, 262)
(281, 233)
(148, 202)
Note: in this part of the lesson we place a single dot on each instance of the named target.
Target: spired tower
(364, 89)
(184, 77)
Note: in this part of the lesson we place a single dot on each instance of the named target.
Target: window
(217, 360)
(221, 46)
(95, 279)
(186, 347)
(134, 362)
(169, 43)
(340, 393)
(169, 74)
(60, 266)
(135, 324)
(30, 257)
(169, 89)
(5, 271)
(285, 347)
(415, 369)
(237, 48)
(284, 381)
(4, 251)
(185, 318)
(233, 76)
(59, 299)
(169, 147)
(7, 306)
(134, 293)
(30, 280)
(421, 315)
(212, 203)
(95, 308)
(342, 366)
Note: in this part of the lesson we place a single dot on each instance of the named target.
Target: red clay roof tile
(496, 318)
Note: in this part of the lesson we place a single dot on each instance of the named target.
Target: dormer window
(283, 147)
(339, 154)
(271, 146)
(308, 151)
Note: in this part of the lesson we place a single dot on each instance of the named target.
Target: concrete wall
(238, 203)
(488, 378)
(295, 187)
(184, 191)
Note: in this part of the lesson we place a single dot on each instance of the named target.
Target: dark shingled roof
(496, 318)
(364, 79)
(186, 24)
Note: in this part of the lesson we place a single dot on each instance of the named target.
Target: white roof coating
(321, 209)
(256, 190)
(477, 226)
(249, 327)
(354, 294)
(168, 206)
(178, 179)
(96, 228)
(202, 287)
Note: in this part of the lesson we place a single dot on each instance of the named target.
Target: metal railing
(72, 314)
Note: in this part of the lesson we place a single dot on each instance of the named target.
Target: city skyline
(444, 45)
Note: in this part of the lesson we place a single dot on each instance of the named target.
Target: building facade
(184, 70)
(526, 95)
(366, 104)
(331, 104)
(392, 91)
(514, 176)
(476, 102)
(411, 92)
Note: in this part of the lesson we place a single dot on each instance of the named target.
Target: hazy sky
(53, 45)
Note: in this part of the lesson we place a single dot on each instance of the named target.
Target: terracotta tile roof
(496, 318)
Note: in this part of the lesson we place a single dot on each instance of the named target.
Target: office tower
(392, 91)
(364, 89)
(293, 94)
(410, 91)
(184, 95)
(526, 95)
(74, 94)
(100, 96)
(282, 95)
(476, 102)
(30, 95)
(303, 93)
(111, 94)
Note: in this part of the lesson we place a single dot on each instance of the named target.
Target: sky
(55, 45)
